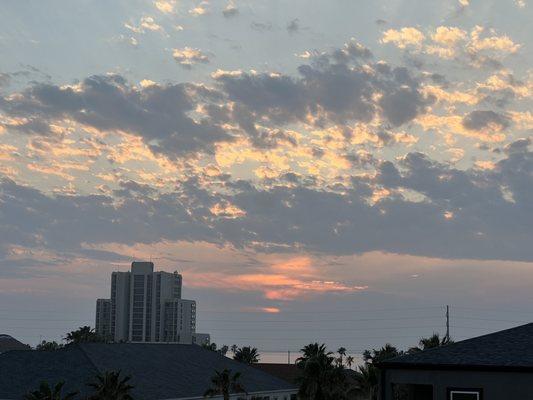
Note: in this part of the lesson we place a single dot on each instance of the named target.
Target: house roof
(287, 372)
(510, 349)
(158, 371)
(8, 343)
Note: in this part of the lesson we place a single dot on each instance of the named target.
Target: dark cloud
(30, 218)
(261, 26)
(519, 146)
(5, 79)
(334, 88)
(478, 120)
(477, 214)
(293, 26)
(159, 114)
(333, 92)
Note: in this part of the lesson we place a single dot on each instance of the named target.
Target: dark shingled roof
(511, 349)
(288, 372)
(8, 343)
(158, 371)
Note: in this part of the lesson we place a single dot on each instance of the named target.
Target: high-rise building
(103, 318)
(146, 306)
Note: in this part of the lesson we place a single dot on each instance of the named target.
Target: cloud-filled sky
(349, 165)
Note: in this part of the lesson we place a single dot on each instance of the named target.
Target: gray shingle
(508, 349)
(159, 371)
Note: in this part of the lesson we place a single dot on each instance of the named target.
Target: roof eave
(456, 367)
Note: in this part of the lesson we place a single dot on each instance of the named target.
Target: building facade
(496, 366)
(146, 306)
(103, 318)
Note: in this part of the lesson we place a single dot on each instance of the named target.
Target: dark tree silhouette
(321, 379)
(247, 354)
(431, 342)
(84, 334)
(213, 347)
(48, 346)
(225, 383)
(45, 392)
(368, 374)
(349, 361)
(111, 386)
(342, 353)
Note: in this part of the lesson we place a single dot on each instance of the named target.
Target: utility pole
(447, 323)
(288, 357)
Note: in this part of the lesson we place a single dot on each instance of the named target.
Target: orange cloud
(267, 310)
(286, 280)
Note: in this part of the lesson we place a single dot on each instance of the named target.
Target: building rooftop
(510, 349)
(288, 372)
(158, 371)
(8, 343)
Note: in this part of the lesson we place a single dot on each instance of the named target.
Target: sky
(333, 171)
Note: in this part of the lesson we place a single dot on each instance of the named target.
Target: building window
(465, 394)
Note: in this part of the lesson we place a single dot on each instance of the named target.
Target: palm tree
(367, 375)
(320, 378)
(367, 381)
(83, 334)
(234, 348)
(110, 386)
(312, 350)
(45, 392)
(376, 356)
(349, 361)
(430, 343)
(246, 354)
(342, 353)
(224, 383)
(223, 350)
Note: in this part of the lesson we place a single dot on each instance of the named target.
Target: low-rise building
(157, 370)
(8, 343)
(497, 366)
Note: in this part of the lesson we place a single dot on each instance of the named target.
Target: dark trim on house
(382, 383)
(455, 367)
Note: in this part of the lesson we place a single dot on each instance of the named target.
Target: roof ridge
(447, 347)
(78, 345)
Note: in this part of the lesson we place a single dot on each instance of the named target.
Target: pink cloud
(285, 280)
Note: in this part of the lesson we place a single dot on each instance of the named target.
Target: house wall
(495, 385)
(268, 395)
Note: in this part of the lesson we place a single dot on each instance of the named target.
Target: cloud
(474, 213)
(283, 281)
(474, 48)
(165, 6)
(330, 92)
(188, 56)
(494, 42)
(158, 114)
(479, 120)
(261, 26)
(230, 10)
(403, 38)
(200, 9)
(147, 23)
(293, 26)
